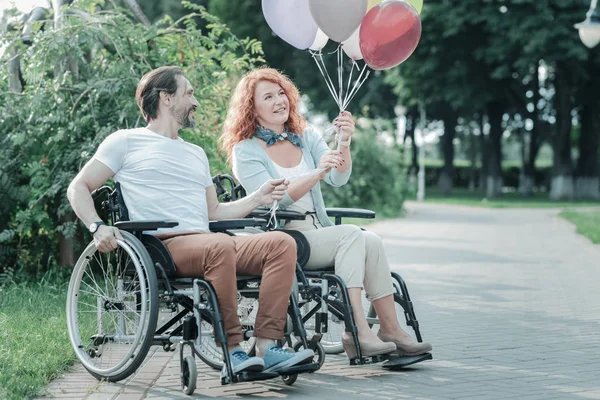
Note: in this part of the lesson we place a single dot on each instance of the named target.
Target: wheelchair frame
(332, 295)
(156, 282)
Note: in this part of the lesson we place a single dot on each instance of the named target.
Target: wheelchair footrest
(300, 369)
(255, 376)
(398, 362)
(368, 360)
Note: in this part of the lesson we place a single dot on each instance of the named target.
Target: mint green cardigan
(253, 167)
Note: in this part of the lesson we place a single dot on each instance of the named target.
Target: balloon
(389, 33)
(291, 20)
(351, 46)
(338, 18)
(417, 4)
(320, 41)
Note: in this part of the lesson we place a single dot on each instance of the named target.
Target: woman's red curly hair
(241, 120)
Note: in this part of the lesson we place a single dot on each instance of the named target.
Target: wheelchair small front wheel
(289, 379)
(319, 352)
(189, 375)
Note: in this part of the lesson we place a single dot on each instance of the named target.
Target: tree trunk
(562, 176)
(473, 160)
(412, 116)
(494, 154)
(587, 184)
(447, 174)
(483, 150)
(138, 13)
(532, 148)
(66, 245)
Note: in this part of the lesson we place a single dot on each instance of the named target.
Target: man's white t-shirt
(161, 178)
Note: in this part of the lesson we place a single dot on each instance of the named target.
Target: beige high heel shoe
(366, 349)
(410, 349)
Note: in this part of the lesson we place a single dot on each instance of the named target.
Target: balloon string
(359, 82)
(330, 82)
(318, 57)
(340, 58)
(349, 80)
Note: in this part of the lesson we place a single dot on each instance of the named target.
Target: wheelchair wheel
(319, 352)
(289, 379)
(209, 352)
(112, 308)
(332, 339)
(189, 375)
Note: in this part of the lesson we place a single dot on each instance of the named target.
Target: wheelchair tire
(289, 379)
(189, 375)
(112, 308)
(319, 352)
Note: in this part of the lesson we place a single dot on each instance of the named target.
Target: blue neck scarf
(271, 137)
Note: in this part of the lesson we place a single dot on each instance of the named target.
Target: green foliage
(586, 222)
(378, 180)
(34, 344)
(79, 87)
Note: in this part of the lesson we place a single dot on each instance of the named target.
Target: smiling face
(184, 103)
(271, 105)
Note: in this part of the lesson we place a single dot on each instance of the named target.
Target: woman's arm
(251, 171)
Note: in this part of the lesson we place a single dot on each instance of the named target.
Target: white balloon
(351, 46)
(320, 41)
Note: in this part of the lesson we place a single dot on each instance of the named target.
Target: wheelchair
(324, 299)
(113, 305)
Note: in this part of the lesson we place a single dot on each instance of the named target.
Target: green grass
(508, 200)
(587, 223)
(34, 343)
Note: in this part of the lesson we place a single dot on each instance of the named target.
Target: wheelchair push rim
(112, 308)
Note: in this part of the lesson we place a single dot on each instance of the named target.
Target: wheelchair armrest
(287, 215)
(340, 213)
(139, 226)
(227, 224)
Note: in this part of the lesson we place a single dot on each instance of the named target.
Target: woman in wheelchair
(164, 177)
(266, 137)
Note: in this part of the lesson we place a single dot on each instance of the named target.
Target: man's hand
(106, 237)
(333, 159)
(272, 190)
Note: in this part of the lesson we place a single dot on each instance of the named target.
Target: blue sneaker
(241, 362)
(277, 359)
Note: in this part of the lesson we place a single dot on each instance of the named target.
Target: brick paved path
(510, 300)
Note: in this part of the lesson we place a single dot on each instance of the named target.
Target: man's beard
(184, 119)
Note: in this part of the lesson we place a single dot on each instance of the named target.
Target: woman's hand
(344, 125)
(272, 190)
(333, 159)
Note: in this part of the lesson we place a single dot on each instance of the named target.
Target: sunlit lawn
(34, 343)
(587, 223)
(513, 200)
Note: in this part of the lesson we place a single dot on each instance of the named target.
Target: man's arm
(79, 193)
(265, 195)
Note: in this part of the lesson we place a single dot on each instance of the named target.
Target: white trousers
(358, 256)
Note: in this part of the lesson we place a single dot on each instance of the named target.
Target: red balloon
(389, 33)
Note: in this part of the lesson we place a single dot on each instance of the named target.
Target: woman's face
(271, 105)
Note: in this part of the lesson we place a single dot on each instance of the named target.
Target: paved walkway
(509, 298)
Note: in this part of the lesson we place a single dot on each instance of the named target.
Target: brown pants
(218, 257)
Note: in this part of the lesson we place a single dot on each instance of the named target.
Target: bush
(53, 127)
(378, 179)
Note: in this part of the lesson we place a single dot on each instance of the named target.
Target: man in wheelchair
(162, 176)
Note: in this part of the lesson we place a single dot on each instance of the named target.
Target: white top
(305, 203)
(161, 178)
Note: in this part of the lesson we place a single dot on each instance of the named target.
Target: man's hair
(147, 95)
